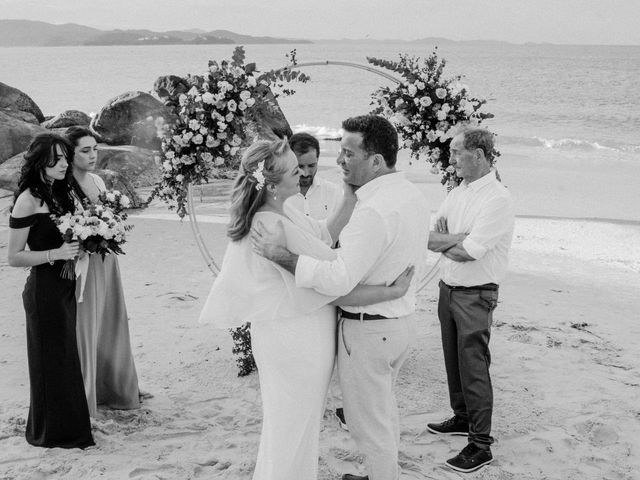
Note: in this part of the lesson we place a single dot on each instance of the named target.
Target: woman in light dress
(293, 330)
(102, 326)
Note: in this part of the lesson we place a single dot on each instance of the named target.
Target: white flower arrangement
(211, 124)
(97, 228)
(426, 108)
(258, 174)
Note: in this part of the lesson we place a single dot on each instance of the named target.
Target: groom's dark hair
(378, 136)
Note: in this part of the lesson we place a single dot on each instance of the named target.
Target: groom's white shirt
(387, 232)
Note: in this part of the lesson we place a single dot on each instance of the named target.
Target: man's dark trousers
(466, 314)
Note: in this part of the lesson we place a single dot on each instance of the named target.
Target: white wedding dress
(293, 335)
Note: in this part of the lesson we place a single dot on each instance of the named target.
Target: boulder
(129, 119)
(13, 99)
(266, 119)
(169, 87)
(20, 115)
(118, 181)
(15, 134)
(137, 165)
(68, 118)
(10, 173)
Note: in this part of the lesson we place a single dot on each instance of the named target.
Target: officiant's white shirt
(387, 232)
(320, 201)
(484, 210)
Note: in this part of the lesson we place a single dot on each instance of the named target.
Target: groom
(387, 232)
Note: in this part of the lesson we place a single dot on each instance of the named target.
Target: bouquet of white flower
(116, 201)
(98, 228)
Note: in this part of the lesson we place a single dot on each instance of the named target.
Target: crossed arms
(449, 244)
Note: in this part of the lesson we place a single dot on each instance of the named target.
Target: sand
(564, 350)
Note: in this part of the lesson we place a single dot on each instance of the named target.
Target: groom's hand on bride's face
(267, 243)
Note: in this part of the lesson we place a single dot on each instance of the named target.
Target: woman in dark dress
(58, 413)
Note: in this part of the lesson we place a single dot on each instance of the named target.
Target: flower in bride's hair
(258, 174)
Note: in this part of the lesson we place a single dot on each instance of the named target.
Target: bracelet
(49, 257)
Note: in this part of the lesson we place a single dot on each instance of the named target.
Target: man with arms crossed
(474, 228)
(386, 233)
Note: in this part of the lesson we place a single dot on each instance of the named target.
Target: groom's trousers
(370, 354)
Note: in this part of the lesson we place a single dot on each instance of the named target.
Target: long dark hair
(246, 199)
(73, 135)
(42, 153)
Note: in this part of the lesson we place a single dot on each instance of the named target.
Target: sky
(612, 22)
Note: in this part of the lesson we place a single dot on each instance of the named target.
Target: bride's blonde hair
(247, 195)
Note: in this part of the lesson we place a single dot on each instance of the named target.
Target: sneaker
(454, 426)
(470, 459)
(341, 419)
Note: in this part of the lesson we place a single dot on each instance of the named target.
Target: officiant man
(473, 231)
(386, 233)
(318, 198)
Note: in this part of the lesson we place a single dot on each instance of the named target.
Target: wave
(321, 133)
(567, 144)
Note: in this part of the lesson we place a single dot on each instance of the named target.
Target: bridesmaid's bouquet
(99, 229)
(116, 201)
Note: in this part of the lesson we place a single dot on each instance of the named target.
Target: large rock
(168, 88)
(129, 119)
(15, 133)
(14, 99)
(117, 181)
(10, 172)
(266, 119)
(68, 118)
(137, 165)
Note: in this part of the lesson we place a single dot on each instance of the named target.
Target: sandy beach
(564, 352)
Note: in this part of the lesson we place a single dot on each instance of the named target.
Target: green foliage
(242, 349)
(210, 122)
(427, 108)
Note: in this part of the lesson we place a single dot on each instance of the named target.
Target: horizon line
(359, 39)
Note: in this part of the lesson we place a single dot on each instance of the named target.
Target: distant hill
(15, 33)
(18, 33)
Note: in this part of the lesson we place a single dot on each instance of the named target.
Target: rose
(441, 93)
(208, 98)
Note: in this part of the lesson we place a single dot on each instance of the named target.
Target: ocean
(567, 117)
(581, 98)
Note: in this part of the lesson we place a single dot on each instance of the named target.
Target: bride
(293, 330)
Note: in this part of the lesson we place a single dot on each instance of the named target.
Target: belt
(360, 316)
(487, 286)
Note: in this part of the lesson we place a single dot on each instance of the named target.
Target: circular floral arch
(213, 118)
(193, 220)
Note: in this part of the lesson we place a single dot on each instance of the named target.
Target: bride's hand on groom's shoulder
(268, 243)
(402, 282)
